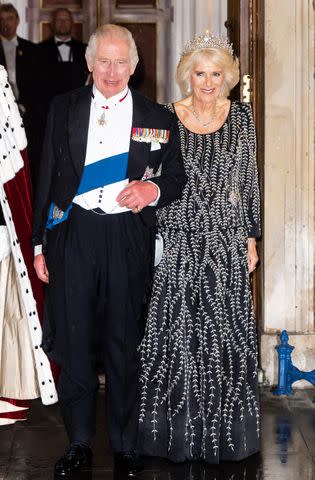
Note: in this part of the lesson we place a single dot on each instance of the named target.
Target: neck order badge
(102, 121)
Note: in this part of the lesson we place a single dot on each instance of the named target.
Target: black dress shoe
(127, 464)
(75, 459)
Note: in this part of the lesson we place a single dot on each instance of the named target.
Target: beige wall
(289, 182)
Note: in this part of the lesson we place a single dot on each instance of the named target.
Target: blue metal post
(288, 373)
(284, 353)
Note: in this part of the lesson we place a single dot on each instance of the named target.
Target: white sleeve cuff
(38, 249)
(155, 202)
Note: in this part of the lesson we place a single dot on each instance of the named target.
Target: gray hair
(218, 56)
(111, 30)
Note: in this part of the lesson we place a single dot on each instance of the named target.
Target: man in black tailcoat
(110, 157)
(62, 67)
(19, 57)
(62, 58)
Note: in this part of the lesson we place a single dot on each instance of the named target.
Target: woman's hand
(252, 255)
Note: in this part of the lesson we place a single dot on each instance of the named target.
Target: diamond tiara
(206, 40)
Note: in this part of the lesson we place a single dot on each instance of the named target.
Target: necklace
(212, 118)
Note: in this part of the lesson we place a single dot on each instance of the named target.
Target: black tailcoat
(65, 149)
(54, 78)
(59, 77)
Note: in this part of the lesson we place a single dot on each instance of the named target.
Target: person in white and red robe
(25, 372)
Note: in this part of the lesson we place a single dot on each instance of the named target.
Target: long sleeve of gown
(250, 181)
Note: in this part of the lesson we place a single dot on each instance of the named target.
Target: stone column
(289, 183)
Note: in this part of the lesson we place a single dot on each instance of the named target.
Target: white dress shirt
(108, 135)
(64, 50)
(9, 49)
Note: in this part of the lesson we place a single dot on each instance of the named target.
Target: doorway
(245, 27)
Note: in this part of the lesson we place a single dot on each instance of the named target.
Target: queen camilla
(199, 388)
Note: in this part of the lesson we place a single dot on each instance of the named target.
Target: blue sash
(95, 175)
(104, 172)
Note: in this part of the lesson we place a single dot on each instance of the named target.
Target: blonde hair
(111, 30)
(220, 57)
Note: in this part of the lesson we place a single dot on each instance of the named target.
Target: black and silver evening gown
(199, 387)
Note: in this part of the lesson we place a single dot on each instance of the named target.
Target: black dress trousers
(99, 272)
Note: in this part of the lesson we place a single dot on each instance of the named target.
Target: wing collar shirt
(9, 48)
(65, 51)
(107, 146)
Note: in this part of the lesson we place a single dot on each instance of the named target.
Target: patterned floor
(28, 450)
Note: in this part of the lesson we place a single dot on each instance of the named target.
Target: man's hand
(252, 255)
(41, 268)
(137, 195)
